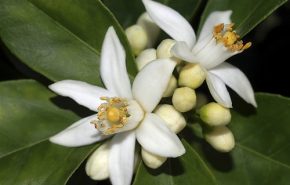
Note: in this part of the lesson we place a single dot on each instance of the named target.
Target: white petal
(121, 159)
(206, 35)
(182, 51)
(218, 90)
(212, 20)
(213, 54)
(81, 92)
(237, 80)
(155, 137)
(171, 22)
(151, 82)
(80, 133)
(113, 66)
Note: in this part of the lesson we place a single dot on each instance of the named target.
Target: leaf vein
(263, 156)
(65, 29)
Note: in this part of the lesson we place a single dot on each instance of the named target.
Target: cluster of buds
(182, 91)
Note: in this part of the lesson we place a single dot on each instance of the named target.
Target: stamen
(225, 34)
(112, 115)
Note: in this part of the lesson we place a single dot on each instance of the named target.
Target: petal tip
(181, 151)
(227, 12)
(55, 140)
(110, 33)
(57, 86)
(254, 103)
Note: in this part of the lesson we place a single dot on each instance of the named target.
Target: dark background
(265, 63)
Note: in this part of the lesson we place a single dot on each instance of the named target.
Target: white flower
(121, 110)
(216, 43)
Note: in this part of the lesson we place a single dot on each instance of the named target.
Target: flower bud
(191, 75)
(214, 114)
(172, 85)
(150, 27)
(151, 160)
(184, 99)
(145, 57)
(137, 38)
(173, 119)
(97, 166)
(220, 138)
(164, 50)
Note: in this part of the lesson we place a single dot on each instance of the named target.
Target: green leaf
(261, 155)
(247, 14)
(27, 119)
(187, 169)
(128, 12)
(44, 163)
(262, 151)
(27, 116)
(59, 39)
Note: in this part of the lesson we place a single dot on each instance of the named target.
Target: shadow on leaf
(218, 160)
(69, 104)
(171, 167)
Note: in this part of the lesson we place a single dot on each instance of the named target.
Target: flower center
(231, 40)
(112, 115)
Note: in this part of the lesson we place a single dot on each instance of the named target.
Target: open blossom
(217, 42)
(122, 112)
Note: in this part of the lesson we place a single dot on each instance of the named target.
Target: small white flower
(122, 111)
(216, 43)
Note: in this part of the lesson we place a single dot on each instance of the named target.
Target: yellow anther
(246, 46)
(219, 28)
(229, 27)
(113, 114)
(225, 34)
(229, 38)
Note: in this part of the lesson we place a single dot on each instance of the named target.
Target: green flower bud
(151, 160)
(184, 99)
(172, 85)
(214, 114)
(97, 166)
(173, 119)
(137, 38)
(145, 57)
(220, 138)
(191, 75)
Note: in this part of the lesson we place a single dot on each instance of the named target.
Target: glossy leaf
(262, 151)
(246, 13)
(28, 117)
(127, 12)
(42, 164)
(59, 39)
(187, 170)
